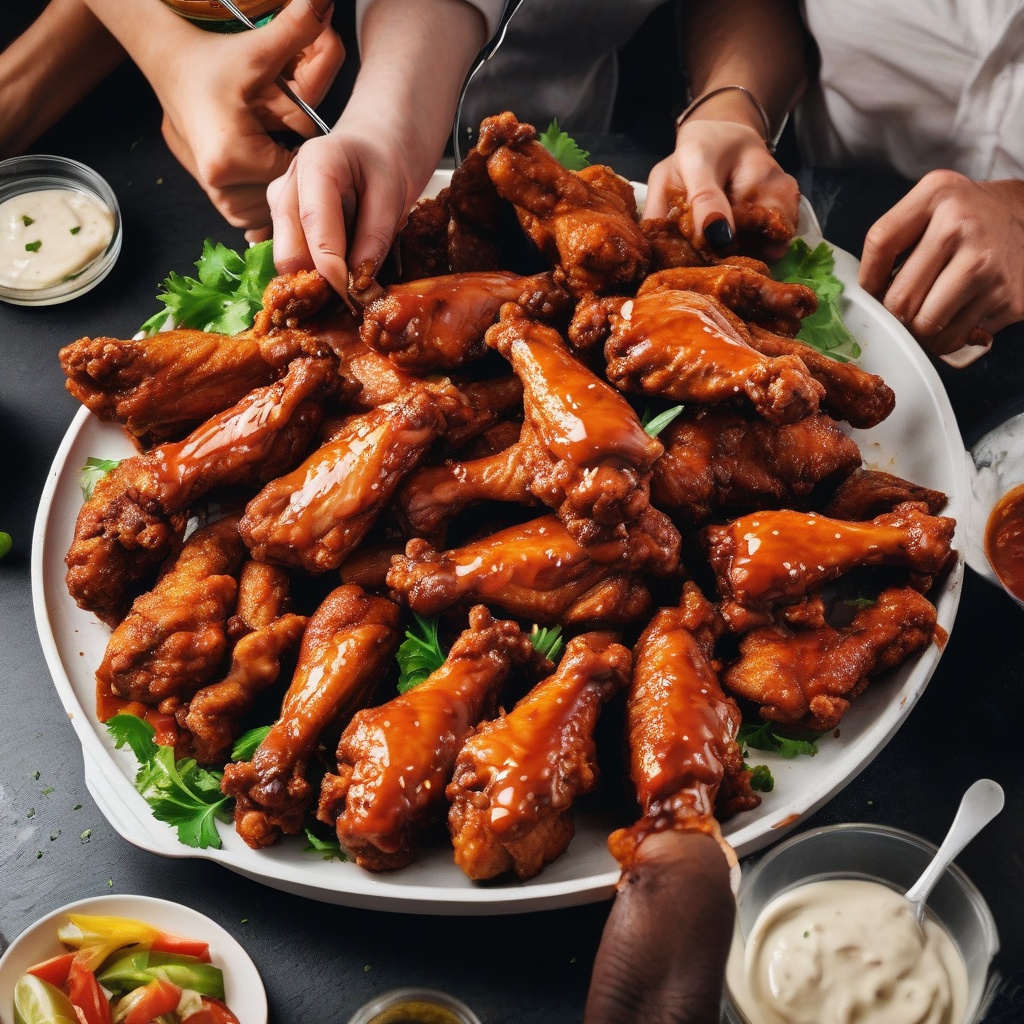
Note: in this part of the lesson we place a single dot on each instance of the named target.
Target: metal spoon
(279, 80)
(980, 804)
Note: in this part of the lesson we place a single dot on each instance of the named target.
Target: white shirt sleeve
(490, 9)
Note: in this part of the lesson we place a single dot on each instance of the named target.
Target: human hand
(964, 242)
(220, 102)
(719, 163)
(663, 952)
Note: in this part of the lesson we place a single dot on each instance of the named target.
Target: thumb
(293, 29)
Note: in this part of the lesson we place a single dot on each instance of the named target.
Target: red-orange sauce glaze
(1004, 540)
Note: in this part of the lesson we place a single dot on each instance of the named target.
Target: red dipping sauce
(1004, 541)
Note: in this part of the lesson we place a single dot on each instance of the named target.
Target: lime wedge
(38, 1002)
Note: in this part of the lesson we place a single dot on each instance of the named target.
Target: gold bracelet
(770, 141)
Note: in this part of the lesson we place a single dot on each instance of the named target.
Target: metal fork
(279, 80)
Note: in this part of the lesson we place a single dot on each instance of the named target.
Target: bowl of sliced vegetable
(128, 960)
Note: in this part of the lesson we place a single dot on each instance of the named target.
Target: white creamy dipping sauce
(847, 951)
(50, 235)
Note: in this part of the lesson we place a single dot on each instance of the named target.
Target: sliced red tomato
(213, 1012)
(55, 970)
(149, 1001)
(165, 942)
(86, 994)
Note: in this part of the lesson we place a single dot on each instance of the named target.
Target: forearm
(415, 55)
(759, 44)
(147, 29)
(48, 69)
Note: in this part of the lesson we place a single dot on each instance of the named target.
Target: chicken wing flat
(685, 762)
(768, 558)
(315, 516)
(716, 458)
(136, 515)
(586, 224)
(290, 299)
(517, 776)
(268, 632)
(175, 639)
(536, 571)
(395, 760)
(808, 678)
(690, 348)
(348, 643)
(852, 394)
(595, 458)
(867, 493)
(752, 295)
(438, 324)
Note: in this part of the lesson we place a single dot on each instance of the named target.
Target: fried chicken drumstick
(517, 776)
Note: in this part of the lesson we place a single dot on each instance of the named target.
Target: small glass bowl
(414, 1006)
(876, 853)
(34, 173)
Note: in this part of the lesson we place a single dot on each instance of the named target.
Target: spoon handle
(979, 805)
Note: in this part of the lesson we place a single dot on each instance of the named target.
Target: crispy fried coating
(867, 493)
(690, 348)
(685, 762)
(395, 760)
(348, 643)
(175, 637)
(517, 776)
(809, 677)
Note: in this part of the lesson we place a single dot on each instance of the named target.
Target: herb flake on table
(824, 329)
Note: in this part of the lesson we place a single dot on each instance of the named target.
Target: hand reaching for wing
(963, 242)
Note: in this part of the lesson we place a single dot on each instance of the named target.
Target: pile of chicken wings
(463, 437)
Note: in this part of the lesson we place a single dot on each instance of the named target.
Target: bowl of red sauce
(995, 535)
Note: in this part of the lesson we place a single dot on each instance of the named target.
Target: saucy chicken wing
(777, 557)
(348, 643)
(536, 571)
(395, 760)
(517, 776)
(809, 677)
(690, 348)
(585, 222)
(867, 493)
(685, 762)
(175, 637)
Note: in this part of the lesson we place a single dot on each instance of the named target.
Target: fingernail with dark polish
(718, 234)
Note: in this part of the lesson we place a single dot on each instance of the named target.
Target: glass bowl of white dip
(821, 926)
(60, 229)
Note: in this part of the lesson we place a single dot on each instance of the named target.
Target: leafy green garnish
(225, 296)
(93, 471)
(75, 229)
(761, 779)
(27, 220)
(419, 654)
(563, 148)
(246, 744)
(764, 737)
(859, 603)
(547, 642)
(34, 246)
(180, 792)
(824, 329)
(654, 425)
(329, 849)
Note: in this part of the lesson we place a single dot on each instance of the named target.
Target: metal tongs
(279, 80)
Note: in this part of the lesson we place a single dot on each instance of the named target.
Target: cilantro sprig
(654, 424)
(823, 329)
(564, 148)
(225, 295)
(764, 737)
(419, 654)
(180, 792)
(93, 471)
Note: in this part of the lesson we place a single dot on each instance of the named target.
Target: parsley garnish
(34, 246)
(27, 220)
(246, 744)
(180, 792)
(761, 779)
(225, 296)
(764, 737)
(419, 654)
(76, 229)
(547, 642)
(654, 425)
(93, 471)
(329, 849)
(824, 329)
(563, 148)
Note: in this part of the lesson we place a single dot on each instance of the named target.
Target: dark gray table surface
(321, 961)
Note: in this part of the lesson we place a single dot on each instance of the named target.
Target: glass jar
(414, 1006)
(210, 14)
